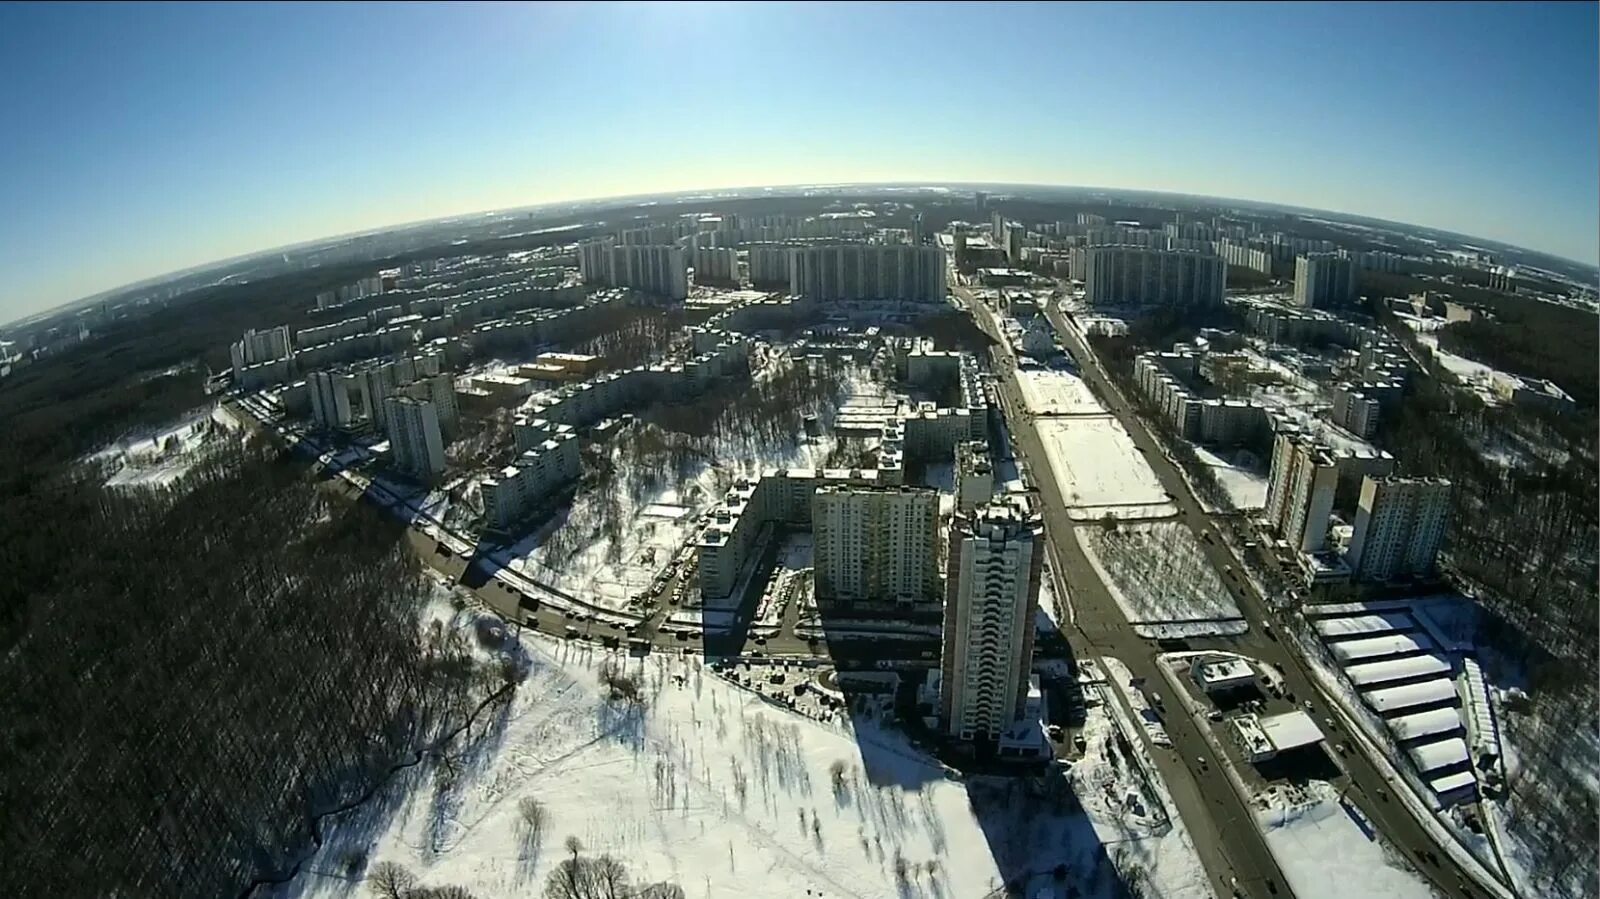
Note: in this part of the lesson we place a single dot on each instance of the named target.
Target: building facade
(844, 272)
(1142, 276)
(1324, 280)
(1400, 524)
(995, 562)
(416, 443)
(875, 543)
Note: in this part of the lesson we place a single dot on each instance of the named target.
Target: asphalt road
(1218, 818)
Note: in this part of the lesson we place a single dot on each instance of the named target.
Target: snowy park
(705, 784)
(1160, 578)
(1053, 392)
(1099, 470)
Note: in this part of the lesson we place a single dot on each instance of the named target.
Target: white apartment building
(1355, 410)
(594, 260)
(875, 544)
(330, 400)
(375, 383)
(835, 272)
(1246, 255)
(257, 347)
(652, 268)
(538, 472)
(995, 561)
(440, 390)
(1141, 276)
(770, 265)
(1324, 280)
(416, 444)
(1300, 490)
(1400, 524)
(713, 265)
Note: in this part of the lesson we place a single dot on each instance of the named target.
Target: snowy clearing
(1095, 463)
(1158, 574)
(1242, 477)
(713, 788)
(1050, 392)
(160, 458)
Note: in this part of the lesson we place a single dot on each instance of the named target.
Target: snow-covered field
(1246, 484)
(1096, 465)
(1157, 574)
(1050, 392)
(713, 788)
(1326, 854)
(160, 458)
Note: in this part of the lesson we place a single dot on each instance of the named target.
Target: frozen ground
(655, 526)
(709, 786)
(1095, 463)
(1245, 483)
(1328, 850)
(1051, 392)
(160, 458)
(1158, 575)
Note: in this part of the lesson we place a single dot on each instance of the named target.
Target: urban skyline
(1489, 131)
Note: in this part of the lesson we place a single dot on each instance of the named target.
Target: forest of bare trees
(207, 668)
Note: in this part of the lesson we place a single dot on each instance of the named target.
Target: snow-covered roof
(1372, 674)
(1349, 651)
(1395, 699)
(1291, 730)
(1425, 724)
(1364, 625)
(1450, 783)
(1441, 754)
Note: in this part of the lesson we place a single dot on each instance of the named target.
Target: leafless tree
(391, 880)
(534, 817)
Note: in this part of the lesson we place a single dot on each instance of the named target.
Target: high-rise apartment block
(257, 347)
(1324, 280)
(1300, 490)
(868, 272)
(1142, 276)
(440, 390)
(875, 543)
(1400, 524)
(375, 383)
(714, 265)
(416, 443)
(974, 475)
(995, 561)
(653, 268)
(330, 400)
(548, 466)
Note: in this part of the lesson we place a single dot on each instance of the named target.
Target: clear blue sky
(142, 139)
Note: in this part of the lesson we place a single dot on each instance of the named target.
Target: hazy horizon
(177, 137)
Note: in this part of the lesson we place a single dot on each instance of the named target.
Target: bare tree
(445, 892)
(836, 773)
(534, 817)
(661, 891)
(391, 880)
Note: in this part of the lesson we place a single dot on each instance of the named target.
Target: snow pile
(1158, 576)
(713, 788)
(1099, 470)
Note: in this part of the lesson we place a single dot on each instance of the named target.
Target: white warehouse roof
(1426, 724)
(1372, 674)
(1349, 651)
(1294, 729)
(1364, 625)
(1395, 699)
(1442, 754)
(1450, 783)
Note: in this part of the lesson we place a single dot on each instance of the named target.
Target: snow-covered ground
(1158, 575)
(160, 458)
(1096, 465)
(1052, 392)
(1245, 483)
(1326, 854)
(711, 787)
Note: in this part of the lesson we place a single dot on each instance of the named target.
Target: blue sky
(142, 139)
